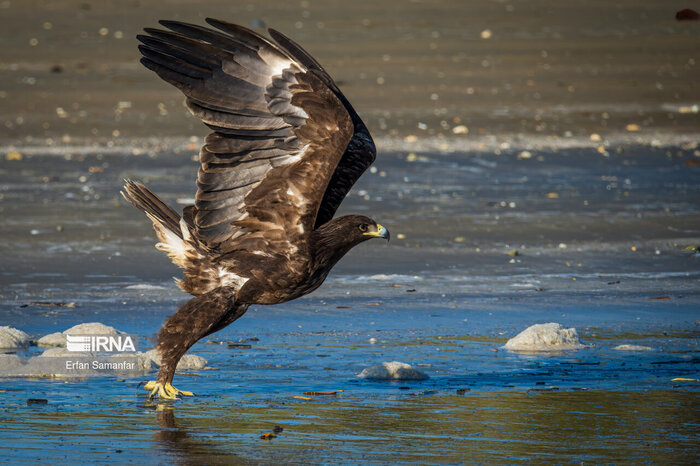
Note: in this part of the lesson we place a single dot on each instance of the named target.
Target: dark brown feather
(360, 153)
(274, 124)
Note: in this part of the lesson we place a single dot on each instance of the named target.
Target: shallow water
(592, 405)
(546, 207)
(607, 256)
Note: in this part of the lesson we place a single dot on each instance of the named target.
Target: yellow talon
(167, 391)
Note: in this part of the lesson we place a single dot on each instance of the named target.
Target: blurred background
(550, 70)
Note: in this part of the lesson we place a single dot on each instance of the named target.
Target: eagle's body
(286, 149)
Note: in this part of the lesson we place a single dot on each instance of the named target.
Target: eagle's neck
(330, 243)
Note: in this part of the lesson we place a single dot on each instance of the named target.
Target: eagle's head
(358, 228)
(337, 237)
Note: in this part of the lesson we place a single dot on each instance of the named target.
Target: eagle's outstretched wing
(360, 152)
(281, 130)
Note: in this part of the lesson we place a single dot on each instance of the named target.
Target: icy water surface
(606, 256)
(538, 162)
(480, 404)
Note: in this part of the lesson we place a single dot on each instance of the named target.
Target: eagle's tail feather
(172, 232)
(145, 200)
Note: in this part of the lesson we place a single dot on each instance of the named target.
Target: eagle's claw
(165, 391)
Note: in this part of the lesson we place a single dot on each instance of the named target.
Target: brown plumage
(286, 149)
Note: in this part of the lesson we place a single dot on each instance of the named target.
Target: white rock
(545, 337)
(88, 328)
(52, 339)
(12, 338)
(92, 328)
(188, 361)
(633, 348)
(392, 371)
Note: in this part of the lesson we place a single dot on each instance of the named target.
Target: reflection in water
(369, 422)
(175, 440)
(580, 426)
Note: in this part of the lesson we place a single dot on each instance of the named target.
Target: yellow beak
(380, 232)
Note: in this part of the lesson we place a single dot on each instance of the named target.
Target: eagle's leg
(195, 319)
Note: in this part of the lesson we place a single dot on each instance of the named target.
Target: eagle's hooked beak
(380, 232)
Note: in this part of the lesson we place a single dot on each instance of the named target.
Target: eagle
(285, 150)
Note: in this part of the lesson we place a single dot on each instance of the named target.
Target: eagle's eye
(363, 227)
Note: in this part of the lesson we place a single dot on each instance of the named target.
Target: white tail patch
(170, 243)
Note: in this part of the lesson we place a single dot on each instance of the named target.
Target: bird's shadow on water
(176, 438)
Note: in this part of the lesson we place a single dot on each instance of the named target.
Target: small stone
(460, 129)
(37, 401)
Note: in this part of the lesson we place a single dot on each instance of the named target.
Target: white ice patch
(633, 348)
(545, 337)
(394, 370)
